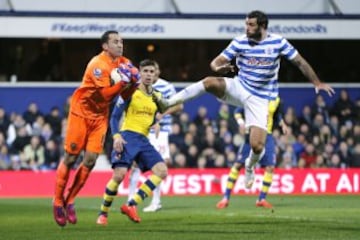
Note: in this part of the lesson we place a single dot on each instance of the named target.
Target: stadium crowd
(321, 136)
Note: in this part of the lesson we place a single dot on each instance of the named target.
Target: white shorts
(161, 143)
(255, 108)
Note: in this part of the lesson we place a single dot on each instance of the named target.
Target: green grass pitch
(293, 217)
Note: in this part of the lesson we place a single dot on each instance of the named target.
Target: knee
(209, 83)
(118, 176)
(90, 160)
(269, 169)
(257, 146)
(70, 159)
(237, 165)
(160, 170)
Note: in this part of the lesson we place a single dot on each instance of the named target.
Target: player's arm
(310, 74)
(278, 116)
(123, 80)
(221, 65)
(115, 118)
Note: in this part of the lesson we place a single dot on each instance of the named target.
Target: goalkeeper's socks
(62, 176)
(81, 175)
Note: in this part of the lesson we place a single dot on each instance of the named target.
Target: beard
(256, 35)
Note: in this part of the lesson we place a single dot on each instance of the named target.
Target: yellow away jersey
(140, 113)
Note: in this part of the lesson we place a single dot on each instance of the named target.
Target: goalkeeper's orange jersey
(87, 101)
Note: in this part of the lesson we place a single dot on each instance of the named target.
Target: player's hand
(118, 143)
(134, 74)
(325, 87)
(117, 75)
(159, 116)
(156, 128)
(285, 129)
(226, 68)
(127, 73)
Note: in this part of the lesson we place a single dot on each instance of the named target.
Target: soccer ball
(125, 72)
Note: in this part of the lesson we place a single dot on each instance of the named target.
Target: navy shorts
(269, 159)
(139, 149)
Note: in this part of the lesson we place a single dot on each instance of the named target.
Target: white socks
(133, 181)
(156, 196)
(187, 93)
(254, 158)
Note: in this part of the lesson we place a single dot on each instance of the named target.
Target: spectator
(305, 130)
(291, 119)
(357, 111)
(212, 142)
(299, 145)
(22, 139)
(343, 107)
(38, 125)
(320, 162)
(225, 115)
(220, 161)
(334, 125)
(317, 124)
(356, 133)
(319, 107)
(328, 152)
(14, 127)
(192, 156)
(231, 158)
(335, 161)
(306, 117)
(54, 119)
(301, 163)
(201, 119)
(4, 121)
(180, 161)
(286, 161)
(5, 161)
(47, 133)
(52, 155)
(309, 155)
(176, 136)
(202, 162)
(355, 157)
(32, 113)
(34, 154)
(344, 154)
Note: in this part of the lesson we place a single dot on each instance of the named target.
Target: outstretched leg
(213, 85)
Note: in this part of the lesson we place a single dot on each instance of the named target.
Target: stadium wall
(16, 97)
(193, 182)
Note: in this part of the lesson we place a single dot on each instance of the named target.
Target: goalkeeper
(88, 121)
(268, 160)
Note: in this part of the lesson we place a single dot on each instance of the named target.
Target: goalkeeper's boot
(263, 203)
(102, 220)
(71, 213)
(59, 215)
(249, 174)
(161, 103)
(223, 203)
(131, 212)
